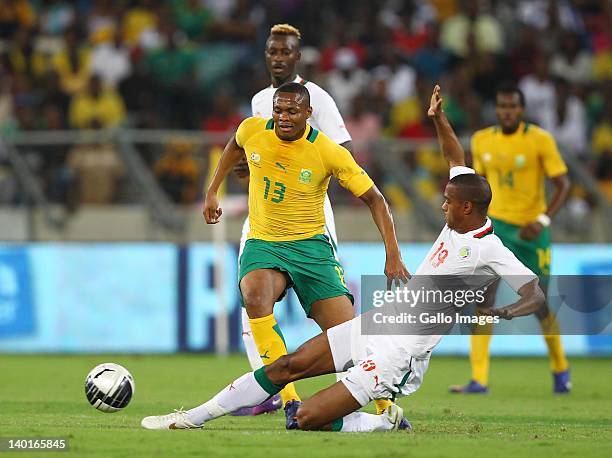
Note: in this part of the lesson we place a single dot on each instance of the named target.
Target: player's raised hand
(396, 271)
(435, 105)
(211, 211)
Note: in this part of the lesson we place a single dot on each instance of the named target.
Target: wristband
(543, 219)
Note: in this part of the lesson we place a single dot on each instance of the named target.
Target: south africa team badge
(305, 176)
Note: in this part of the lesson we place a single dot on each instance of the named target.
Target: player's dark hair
(474, 188)
(508, 87)
(294, 88)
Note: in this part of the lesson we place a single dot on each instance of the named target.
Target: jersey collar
(482, 231)
(309, 134)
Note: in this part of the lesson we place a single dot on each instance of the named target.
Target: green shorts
(314, 273)
(535, 254)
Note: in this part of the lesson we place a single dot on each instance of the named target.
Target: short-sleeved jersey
(325, 115)
(478, 252)
(478, 255)
(289, 179)
(516, 166)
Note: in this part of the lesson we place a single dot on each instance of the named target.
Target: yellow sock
(556, 355)
(381, 404)
(479, 353)
(271, 345)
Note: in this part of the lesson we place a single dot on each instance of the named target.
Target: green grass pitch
(44, 396)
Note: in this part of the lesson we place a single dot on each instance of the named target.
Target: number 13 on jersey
(278, 191)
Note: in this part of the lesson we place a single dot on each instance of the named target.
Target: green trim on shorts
(401, 383)
(535, 254)
(264, 381)
(313, 270)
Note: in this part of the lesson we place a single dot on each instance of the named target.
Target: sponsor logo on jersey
(464, 252)
(305, 176)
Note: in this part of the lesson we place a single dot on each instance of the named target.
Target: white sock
(242, 392)
(340, 376)
(361, 422)
(249, 342)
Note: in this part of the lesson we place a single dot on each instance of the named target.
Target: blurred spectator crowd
(194, 64)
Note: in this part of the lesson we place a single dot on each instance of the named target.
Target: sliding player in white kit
(282, 55)
(384, 366)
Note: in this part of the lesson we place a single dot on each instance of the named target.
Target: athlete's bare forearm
(532, 299)
(449, 143)
(230, 157)
(381, 214)
(562, 187)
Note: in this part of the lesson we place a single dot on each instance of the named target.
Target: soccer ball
(109, 387)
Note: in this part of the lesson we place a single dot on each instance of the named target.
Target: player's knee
(256, 303)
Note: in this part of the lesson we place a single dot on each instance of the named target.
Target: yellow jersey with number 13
(289, 180)
(516, 166)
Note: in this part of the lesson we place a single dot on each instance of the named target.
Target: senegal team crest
(305, 176)
(464, 252)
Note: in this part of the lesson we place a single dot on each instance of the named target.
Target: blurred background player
(290, 164)
(516, 157)
(282, 56)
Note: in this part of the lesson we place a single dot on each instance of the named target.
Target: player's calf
(310, 360)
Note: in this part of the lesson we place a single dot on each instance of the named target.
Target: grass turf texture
(44, 396)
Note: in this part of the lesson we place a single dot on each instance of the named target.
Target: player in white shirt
(384, 366)
(282, 56)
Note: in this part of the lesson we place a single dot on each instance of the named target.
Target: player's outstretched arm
(532, 298)
(449, 143)
(395, 268)
(230, 157)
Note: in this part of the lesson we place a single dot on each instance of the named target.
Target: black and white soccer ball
(109, 387)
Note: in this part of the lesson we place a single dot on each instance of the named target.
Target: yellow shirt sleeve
(342, 165)
(551, 158)
(248, 128)
(477, 165)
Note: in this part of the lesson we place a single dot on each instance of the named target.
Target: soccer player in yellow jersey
(290, 165)
(516, 158)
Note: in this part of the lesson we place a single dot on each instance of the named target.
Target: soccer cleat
(175, 420)
(561, 382)
(270, 405)
(471, 388)
(395, 414)
(405, 425)
(291, 409)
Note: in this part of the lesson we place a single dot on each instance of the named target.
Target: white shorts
(376, 369)
(330, 228)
